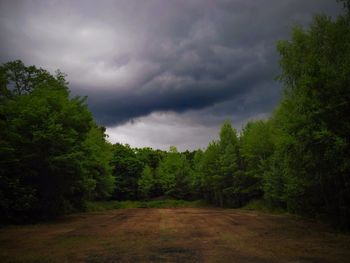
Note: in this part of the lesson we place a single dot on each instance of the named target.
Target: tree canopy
(53, 155)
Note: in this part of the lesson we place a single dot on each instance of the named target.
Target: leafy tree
(52, 155)
(20, 79)
(211, 173)
(198, 174)
(313, 121)
(173, 175)
(190, 156)
(42, 153)
(229, 180)
(127, 169)
(256, 148)
(146, 182)
(149, 156)
(97, 165)
(238, 187)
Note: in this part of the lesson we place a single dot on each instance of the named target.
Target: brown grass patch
(174, 235)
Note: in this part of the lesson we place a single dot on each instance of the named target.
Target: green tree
(52, 155)
(149, 156)
(211, 173)
(127, 169)
(229, 179)
(256, 148)
(20, 79)
(42, 136)
(313, 121)
(174, 175)
(97, 164)
(198, 174)
(146, 182)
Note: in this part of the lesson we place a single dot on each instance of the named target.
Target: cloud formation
(139, 61)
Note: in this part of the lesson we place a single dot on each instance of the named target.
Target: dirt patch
(175, 235)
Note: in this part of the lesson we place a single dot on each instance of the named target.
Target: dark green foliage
(256, 147)
(18, 79)
(146, 173)
(146, 182)
(313, 121)
(46, 147)
(208, 171)
(163, 203)
(149, 157)
(229, 180)
(174, 175)
(198, 174)
(127, 169)
(346, 4)
(97, 165)
(220, 170)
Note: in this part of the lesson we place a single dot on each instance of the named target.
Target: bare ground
(175, 235)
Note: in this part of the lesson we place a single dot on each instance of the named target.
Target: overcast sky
(160, 72)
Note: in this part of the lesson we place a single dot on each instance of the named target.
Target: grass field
(174, 235)
(164, 203)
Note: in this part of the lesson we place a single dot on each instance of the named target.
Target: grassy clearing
(167, 203)
(255, 205)
(263, 206)
(174, 235)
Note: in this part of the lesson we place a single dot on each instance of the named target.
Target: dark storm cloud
(180, 91)
(202, 53)
(203, 59)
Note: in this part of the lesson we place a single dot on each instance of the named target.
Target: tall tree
(97, 164)
(256, 148)
(198, 174)
(146, 182)
(174, 175)
(211, 174)
(313, 120)
(127, 169)
(230, 176)
(48, 148)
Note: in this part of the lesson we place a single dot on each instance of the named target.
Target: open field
(174, 235)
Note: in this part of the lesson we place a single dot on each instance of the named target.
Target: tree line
(54, 157)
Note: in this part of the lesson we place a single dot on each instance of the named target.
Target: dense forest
(54, 157)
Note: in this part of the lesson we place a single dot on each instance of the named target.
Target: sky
(159, 73)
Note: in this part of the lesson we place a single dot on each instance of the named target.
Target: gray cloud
(202, 60)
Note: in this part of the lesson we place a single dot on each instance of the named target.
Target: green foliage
(46, 146)
(127, 169)
(97, 165)
(166, 203)
(146, 182)
(312, 124)
(18, 79)
(346, 4)
(263, 206)
(220, 170)
(198, 174)
(256, 148)
(228, 181)
(174, 175)
(149, 157)
(210, 169)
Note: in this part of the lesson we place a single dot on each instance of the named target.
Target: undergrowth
(167, 203)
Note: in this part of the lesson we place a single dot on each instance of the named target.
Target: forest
(54, 157)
